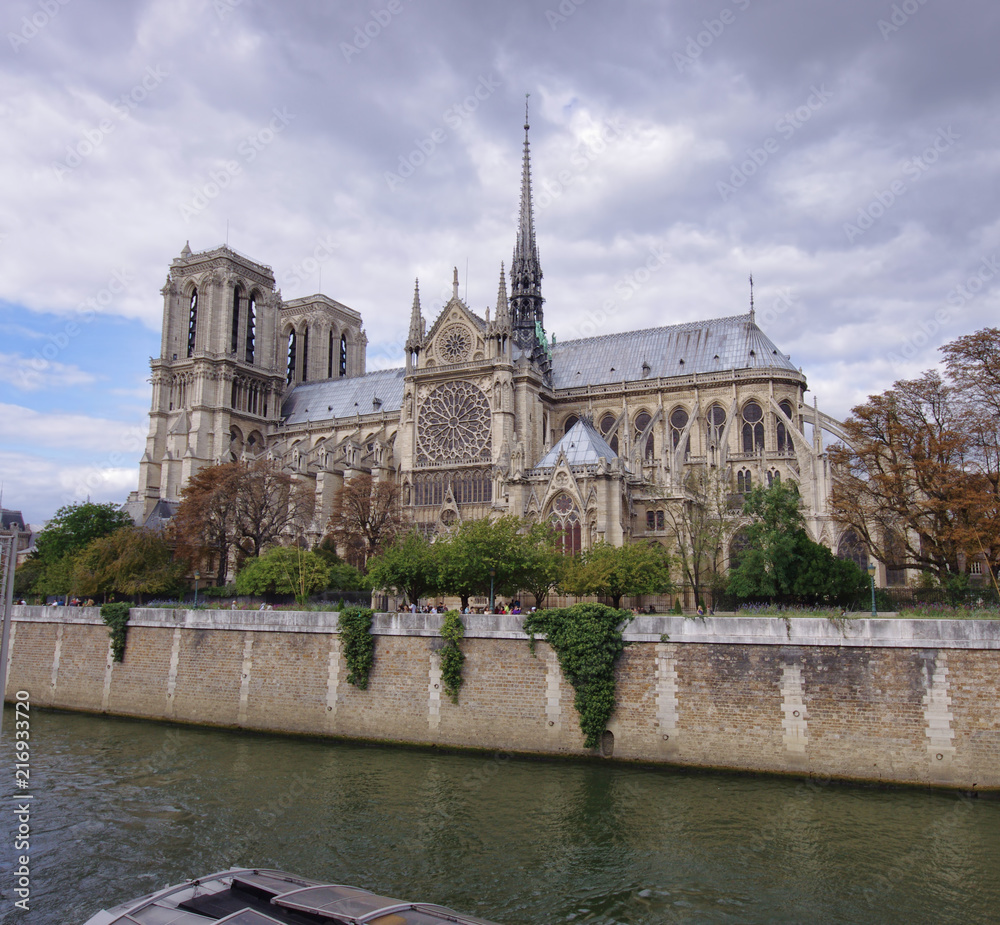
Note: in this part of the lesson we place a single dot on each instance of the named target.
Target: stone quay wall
(894, 701)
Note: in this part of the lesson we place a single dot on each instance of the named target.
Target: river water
(120, 808)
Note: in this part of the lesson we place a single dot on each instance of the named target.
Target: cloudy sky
(845, 153)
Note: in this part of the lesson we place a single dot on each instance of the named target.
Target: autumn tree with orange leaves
(919, 480)
(365, 518)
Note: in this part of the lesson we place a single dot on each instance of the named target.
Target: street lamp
(493, 574)
(197, 578)
(871, 575)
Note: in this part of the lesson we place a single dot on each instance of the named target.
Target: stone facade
(893, 701)
(488, 415)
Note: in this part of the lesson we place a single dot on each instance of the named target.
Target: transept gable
(458, 335)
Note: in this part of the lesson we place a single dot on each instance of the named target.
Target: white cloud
(30, 374)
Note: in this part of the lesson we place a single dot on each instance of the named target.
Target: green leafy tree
(545, 563)
(781, 562)
(767, 567)
(614, 571)
(408, 566)
(71, 528)
(133, 561)
(75, 525)
(284, 570)
(481, 554)
(343, 577)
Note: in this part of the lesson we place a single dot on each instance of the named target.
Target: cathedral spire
(503, 309)
(415, 339)
(525, 270)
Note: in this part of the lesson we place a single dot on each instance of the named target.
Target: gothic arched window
(192, 321)
(679, 421)
(290, 377)
(251, 341)
(738, 547)
(570, 422)
(329, 354)
(343, 355)
(566, 520)
(784, 441)
(753, 427)
(716, 424)
(305, 354)
(773, 478)
(235, 339)
(642, 420)
(607, 422)
(851, 547)
(743, 481)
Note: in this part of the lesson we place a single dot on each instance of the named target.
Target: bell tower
(218, 381)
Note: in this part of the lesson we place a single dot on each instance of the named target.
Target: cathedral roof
(717, 345)
(582, 445)
(338, 398)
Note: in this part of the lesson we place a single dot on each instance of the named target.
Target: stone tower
(218, 381)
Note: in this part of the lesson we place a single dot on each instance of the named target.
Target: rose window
(454, 424)
(455, 343)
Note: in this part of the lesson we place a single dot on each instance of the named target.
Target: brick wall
(879, 701)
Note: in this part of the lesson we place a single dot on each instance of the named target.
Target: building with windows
(487, 415)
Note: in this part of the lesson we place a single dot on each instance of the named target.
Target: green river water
(120, 808)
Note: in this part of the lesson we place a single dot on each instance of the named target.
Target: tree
(766, 566)
(366, 517)
(614, 571)
(545, 563)
(72, 527)
(284, 570)
(205, 524)
(409, 566)
(917, 478)
(700, 521)
(343, 577)
(484, 554)
(269, 502)
(781, 562)
(133, 561)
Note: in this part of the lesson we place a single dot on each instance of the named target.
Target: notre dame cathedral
(487, 415)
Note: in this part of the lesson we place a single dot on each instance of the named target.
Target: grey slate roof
(338, 398)
(582, 444)
(716, 345)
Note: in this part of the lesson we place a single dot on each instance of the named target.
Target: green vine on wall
(587, 639)
(355, 625)
(116, 618)
(452, 631)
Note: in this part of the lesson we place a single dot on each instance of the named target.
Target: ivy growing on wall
(355, 625)
(115, 617)
(587, 639)
(452, 630)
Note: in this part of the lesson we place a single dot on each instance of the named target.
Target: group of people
(513, 607)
